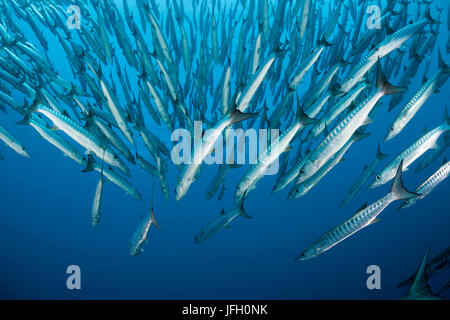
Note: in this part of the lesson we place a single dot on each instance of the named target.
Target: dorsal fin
(381, 155)
(326, 130)
(397, 188)
(364, 205)
(420, 279)
(424, 130)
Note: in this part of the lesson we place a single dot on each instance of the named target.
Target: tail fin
(90, 166)
(25, 120)
(358, 135)
(37, 101)
(419, 287)
(420, 279)
(238, 116)
(242, 210)
(381, 155)
(154, 222)
(397, 188)
(336, 90)
(442, 65)
(279, 51)
(324, 42)
(302, 117)
(344, 62)
(383, 85)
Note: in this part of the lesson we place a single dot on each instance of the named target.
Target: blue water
(45, 225)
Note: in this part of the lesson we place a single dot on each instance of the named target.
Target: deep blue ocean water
(45, 225)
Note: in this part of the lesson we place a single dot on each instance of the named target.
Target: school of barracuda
(325, 81)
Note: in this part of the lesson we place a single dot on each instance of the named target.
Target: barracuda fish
(96, 206)
(147, 166)
(160, 106)
(342, 105)
(222, 221)
(191, 171)
(225, 102)
(256, 171)
(307, 64)
(419, 99)
(140, 236)
(185, 44)
(113, 177)
(366, 174)
(291, 174)
(161, 170)
(254, 84)
(304, 187)
(8, 100)
(439, 263)
(256, 54)
(161, 38)
(170, 84)
(217, 181)
(434, 154)
(152, 142)
(53, 138)
(20, 63)
(419, 289)
(116, 111)
(304, 17)
(426, 142)
(322, 84)
(316, 108)
(13, 143)
(425, 188)
(347, 127)
(392, 42)
(363, 218)
(78, 133)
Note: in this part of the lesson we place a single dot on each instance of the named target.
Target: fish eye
(378, 177)
(391, 128)
(302, 171)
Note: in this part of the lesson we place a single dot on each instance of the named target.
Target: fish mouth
(389, 136)
(302, 257)
(373, 185)
(275, 189)
(198, 241)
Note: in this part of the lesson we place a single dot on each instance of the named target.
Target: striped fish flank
(412, 153)
(363, 218)
(425, 188)
(413, 106)
(337, 138)
(82, 136)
